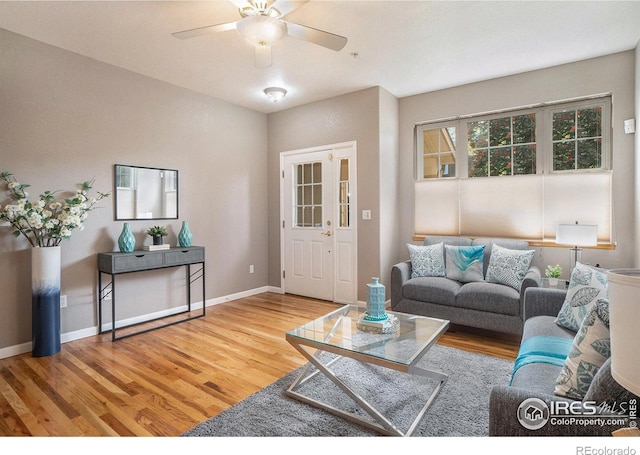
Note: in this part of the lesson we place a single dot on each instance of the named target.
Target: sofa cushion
(586, 286)
(489, 297)
(540, 377)
(438, 290)
(427, 260)
(508, 267)
(591, 348)
(464, 263)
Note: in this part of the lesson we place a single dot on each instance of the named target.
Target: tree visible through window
(502, 146)
(577, 139)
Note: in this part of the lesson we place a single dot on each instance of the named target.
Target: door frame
(353, 198)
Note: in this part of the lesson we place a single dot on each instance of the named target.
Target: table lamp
(577, 235)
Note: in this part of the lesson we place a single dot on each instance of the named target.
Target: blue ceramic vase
(126, 241)
(184, 236)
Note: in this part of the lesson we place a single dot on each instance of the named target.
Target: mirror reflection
(145, 193)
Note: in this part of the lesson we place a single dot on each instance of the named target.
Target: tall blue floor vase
(45, 301)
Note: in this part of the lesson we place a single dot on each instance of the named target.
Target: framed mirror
(145, 193)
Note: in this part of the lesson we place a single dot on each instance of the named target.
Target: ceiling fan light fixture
(275, 94)
(261, 29)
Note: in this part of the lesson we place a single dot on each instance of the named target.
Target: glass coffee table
(337, 333)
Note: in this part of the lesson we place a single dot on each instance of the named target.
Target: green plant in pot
(157, 232)
(553, 272)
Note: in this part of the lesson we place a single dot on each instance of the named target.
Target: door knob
(328, 233)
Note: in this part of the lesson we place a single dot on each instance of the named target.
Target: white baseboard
(23, 348)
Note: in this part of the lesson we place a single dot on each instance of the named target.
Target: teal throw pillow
(427, 260)
(464, 263)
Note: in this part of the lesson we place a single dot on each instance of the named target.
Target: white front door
(319, 255)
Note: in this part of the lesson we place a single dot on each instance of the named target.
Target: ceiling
(406, 47)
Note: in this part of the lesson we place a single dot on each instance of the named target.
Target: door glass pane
(344, 205)
(308, 193)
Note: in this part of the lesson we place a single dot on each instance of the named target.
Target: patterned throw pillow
(586, 286)
(464, 263)
(591, 348)
(508, 267)
(427, 260)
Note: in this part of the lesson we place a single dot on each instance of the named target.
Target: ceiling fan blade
(285, 7)
(192, 33)
(319, 37)
(263, 56)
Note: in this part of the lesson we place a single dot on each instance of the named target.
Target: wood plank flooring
(164, 382)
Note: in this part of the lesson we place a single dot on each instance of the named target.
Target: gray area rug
(461, 408)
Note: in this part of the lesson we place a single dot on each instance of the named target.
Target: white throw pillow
(586, 286)
(508, 267)
(427, 260)
(591, 348)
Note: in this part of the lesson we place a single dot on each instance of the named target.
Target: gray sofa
(538, 380)
(477, 304)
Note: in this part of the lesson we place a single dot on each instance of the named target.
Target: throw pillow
(591, 348)
(464, 263)
(586, 286)
(427, 260)
(508, 267)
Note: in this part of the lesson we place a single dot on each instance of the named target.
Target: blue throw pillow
(426, 260)
(464, 263)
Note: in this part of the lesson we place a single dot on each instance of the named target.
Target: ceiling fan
(262, 25)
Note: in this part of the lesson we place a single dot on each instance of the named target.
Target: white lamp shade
(577, 234)
(624, 319)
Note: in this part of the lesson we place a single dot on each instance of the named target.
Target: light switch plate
(366, 214)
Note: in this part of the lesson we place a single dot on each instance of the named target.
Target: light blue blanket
(542, 349)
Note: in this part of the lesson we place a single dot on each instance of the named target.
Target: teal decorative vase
(126, 241)
(184, 236)
(375, 301)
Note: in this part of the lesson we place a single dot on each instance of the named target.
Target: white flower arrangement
(46, 221)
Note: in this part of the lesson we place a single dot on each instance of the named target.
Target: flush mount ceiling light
(275, 94)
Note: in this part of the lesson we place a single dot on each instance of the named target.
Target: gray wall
(355, 116)
(610, 74)
(65, 118)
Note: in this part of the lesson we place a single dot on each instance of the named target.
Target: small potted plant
(553, 272)
(157, 232)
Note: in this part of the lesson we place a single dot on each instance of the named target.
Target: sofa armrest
(543, 301)
(400, 274)
(532, 279)
(504, 402)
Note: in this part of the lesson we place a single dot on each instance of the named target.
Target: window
(517, 163)
(436, 152)
(502, 146)
(125, 177)
(556, 137)
(577, 138)
(308, 187)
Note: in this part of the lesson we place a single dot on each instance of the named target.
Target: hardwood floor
(164, 382)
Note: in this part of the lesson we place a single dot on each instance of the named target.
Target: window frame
(419, 156)
(544, 136)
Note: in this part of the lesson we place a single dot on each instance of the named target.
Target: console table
(114, 264)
